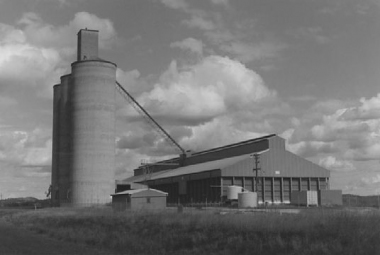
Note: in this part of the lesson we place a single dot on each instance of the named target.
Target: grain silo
(55, 147)
(84, 128)
(64, 141)
(92, 117)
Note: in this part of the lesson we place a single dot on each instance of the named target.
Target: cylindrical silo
(55, 149)
(93, 131)
(64, 141)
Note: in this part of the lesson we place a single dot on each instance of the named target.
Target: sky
(212, 72)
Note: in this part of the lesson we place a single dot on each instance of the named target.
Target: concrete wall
(87, 45)
(93, 132)
(64, 141)
(55, 148)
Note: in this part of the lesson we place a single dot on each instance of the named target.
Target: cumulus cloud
(213, 102)
(352, 130)
(220, 2)
(25, 148)
(240, 40)
(332, 163)
(190, 44)
(39, 33)
(175, 4)
(197, 21)
(371, 180)
(213, 87)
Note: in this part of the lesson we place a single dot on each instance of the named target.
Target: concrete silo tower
(83, 158)
(64, 142)
(55, 148)
(92, 124)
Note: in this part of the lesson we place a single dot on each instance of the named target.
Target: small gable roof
(142, 193)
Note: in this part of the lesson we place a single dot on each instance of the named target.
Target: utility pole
(257, 169)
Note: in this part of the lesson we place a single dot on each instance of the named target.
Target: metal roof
(134, 191)
(191, 169)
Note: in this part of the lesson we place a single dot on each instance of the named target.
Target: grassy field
(208, 232)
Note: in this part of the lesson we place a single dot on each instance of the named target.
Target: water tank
(92, 89)
(55, 150)
(233, 191)
(64, 140)
(247, 199)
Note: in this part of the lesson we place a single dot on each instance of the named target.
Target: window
(148, 200)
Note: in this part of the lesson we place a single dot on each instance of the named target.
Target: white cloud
(25, 148)
(218, 132)
(371, 180)
(199, 22)
(221, 2)
(213, 87)
(191, 44)
(240, 40)
(175, 4)
(332, 163)
(211, 103)
(248, 52)
(352, 129)
(40, 33)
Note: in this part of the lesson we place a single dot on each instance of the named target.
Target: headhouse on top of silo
(262, 164)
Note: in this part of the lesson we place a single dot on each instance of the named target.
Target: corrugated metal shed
(139, 199)
(206, 174)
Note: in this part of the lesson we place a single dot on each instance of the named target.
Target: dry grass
(166, 232)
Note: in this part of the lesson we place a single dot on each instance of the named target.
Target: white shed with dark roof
(139, 199)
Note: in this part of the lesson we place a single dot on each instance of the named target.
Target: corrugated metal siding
(276, 142)
(277, 163)
(286, 189)
(148, 203)
(286, 164)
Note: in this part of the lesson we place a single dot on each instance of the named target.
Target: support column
(273, 193)
(263, 189)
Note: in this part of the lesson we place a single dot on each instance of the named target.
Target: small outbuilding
(138, 199)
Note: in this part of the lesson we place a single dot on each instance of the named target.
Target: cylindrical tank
(64, 140)
(93, 132)
(247, 199)
(55, 149)
(233, 191)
